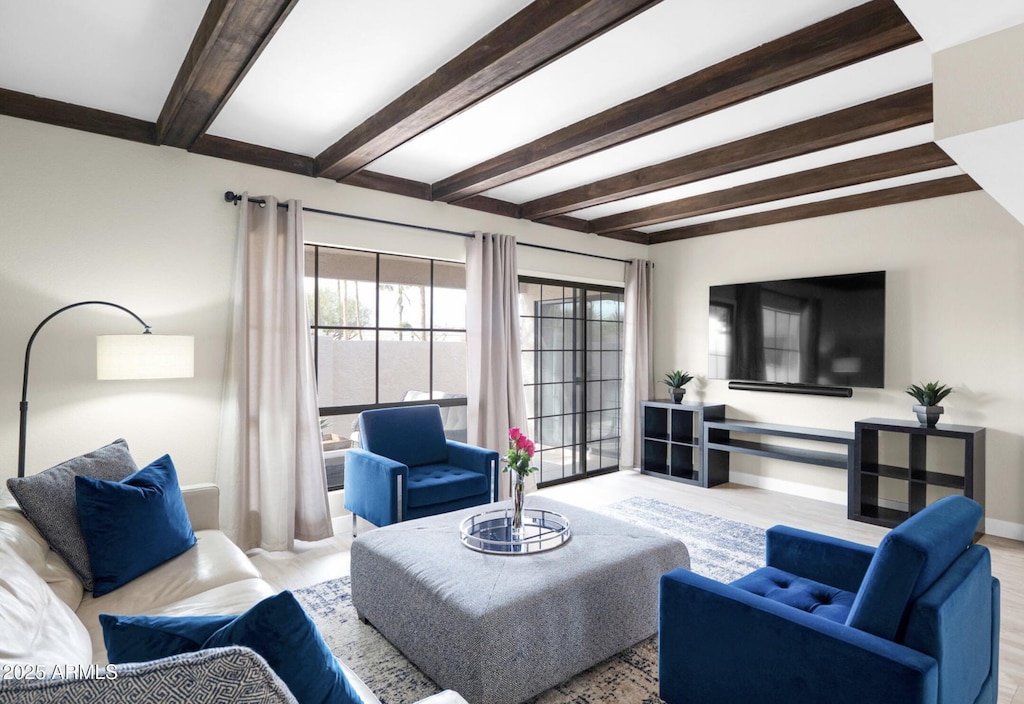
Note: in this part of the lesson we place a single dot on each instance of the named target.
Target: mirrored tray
(491, 532)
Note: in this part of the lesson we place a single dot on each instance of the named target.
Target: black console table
(909, 482)
(719, 441)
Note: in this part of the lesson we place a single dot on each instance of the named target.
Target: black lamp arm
(28, 354)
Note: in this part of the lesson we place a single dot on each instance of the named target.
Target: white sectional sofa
(47, 621)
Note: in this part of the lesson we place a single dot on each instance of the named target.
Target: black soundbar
(787, 387)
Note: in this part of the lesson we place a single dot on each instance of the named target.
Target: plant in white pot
(675, 381)
(928, 396)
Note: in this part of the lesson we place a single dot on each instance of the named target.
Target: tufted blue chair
(407, 468)
(914, 621)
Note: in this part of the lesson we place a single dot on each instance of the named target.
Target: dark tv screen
(825, 330)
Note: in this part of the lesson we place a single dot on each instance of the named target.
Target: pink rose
(514, 433)
(521, 442)
(529, 448)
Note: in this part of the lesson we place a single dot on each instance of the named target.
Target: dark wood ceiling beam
(529, 40)
(76, 117)
(390, 184)
(855, 35)
(899, 111)
(861, 201)
(923, 157)
(254, 154)
(231, 36)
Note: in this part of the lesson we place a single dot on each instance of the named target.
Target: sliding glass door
(572, 369)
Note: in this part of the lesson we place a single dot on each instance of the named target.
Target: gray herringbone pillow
(48, 500)
(206, 677)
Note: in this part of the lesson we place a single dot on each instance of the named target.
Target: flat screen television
(822, 330)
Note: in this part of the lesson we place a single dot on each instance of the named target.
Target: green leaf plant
(929, 394)
(677, 379)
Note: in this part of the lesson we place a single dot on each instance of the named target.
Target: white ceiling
(334, 63)
(115, 55)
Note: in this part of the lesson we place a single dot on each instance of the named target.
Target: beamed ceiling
(642, 120)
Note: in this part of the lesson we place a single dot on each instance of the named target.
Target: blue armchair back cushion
(412, 435)
(909, 560)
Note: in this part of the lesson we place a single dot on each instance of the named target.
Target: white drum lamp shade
(145, 356)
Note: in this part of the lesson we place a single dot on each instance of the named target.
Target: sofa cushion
(48, 500)
(440, 483)
(909, 560)
(228, 599)
(800, 593)
(213, 563)
(36, 627)
(412, 435)
(18, 533)
(133, 525)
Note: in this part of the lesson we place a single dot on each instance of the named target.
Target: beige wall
(955, 312)
(89, 217)
(92, 217)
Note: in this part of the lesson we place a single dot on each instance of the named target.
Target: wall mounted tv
(818, 331)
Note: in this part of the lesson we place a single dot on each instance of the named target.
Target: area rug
(719, 548)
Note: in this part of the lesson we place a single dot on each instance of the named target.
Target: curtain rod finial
(231, 197)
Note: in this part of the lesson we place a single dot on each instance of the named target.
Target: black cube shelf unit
(673, 441)
(866, 505)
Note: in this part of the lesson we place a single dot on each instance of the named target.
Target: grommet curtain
(496, 396)
(271, 467)
(637, 385)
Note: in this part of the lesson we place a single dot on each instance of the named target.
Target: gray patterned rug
(719, 548)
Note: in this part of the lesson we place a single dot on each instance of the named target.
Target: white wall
(90, 217)
(954, 312)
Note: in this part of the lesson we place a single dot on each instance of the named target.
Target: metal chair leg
(354, 518)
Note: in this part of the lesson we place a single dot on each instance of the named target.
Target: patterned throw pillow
(48, 500)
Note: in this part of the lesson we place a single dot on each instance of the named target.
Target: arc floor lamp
(140, 356)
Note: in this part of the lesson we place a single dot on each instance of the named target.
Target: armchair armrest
(476, 459)
(720, 644)
(202, 501)
(371, 486)
(831, 561)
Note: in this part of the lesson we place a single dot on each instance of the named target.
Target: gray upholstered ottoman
(499, 629)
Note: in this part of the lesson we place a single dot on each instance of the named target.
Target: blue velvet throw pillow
(277, 628)
(281, 632)
(133, 525)
(145, 638)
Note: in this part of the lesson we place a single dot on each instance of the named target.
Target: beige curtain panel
(271, 467)
(496, 396)
(637, 385)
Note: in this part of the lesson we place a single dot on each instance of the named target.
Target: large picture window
(388, 330)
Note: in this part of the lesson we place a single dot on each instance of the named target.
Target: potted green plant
(675, 381)
(928, 396)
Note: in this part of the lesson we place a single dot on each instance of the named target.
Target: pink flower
(515, 433)
(529, 448)
(521, 442)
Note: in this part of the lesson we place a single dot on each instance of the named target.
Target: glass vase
(518, 491)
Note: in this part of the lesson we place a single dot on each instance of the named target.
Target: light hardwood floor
(310, 563)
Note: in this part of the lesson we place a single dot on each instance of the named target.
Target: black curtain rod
(233, 198)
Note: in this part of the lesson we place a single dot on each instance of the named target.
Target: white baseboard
(1004, 529)
(832, 496)
(993, 526)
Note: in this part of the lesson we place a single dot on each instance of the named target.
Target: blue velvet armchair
(406, 468)
(915, 620)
